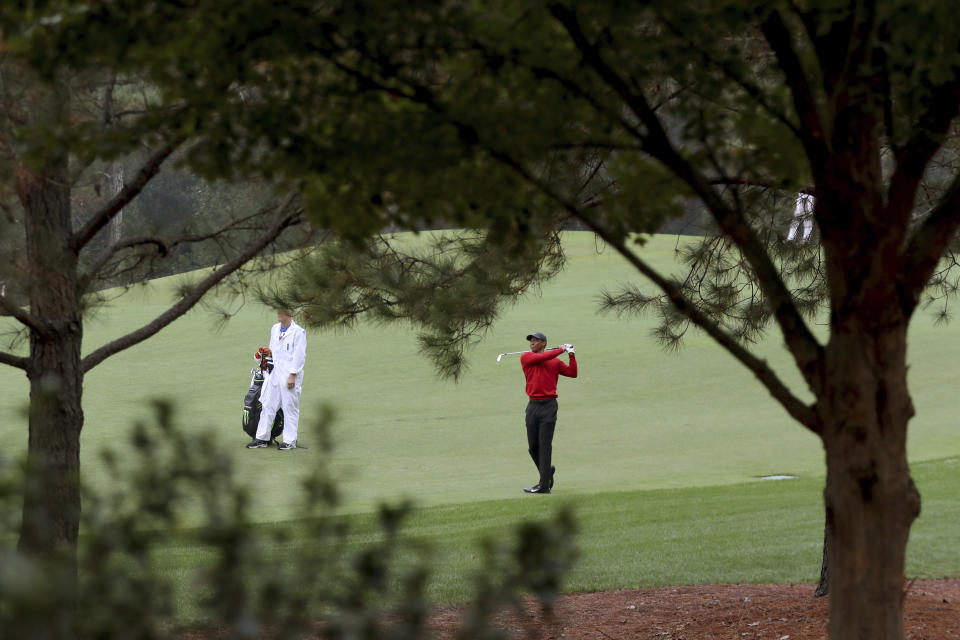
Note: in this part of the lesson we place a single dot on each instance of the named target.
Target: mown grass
(658, 454)
(757, 532)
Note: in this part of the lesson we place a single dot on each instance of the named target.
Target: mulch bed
(706, 612)
(743, 611)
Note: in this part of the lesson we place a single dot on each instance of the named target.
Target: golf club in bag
(251, 402)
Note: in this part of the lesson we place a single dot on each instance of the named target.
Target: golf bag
(251, 402)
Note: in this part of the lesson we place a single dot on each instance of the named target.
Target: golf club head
(499, 357)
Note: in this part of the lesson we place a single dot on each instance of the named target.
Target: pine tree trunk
(114, 187)
(871, 500)
(51, 507)
(823, 586)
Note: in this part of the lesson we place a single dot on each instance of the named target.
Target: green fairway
(659, 453)
(758, 532)
(769, 531)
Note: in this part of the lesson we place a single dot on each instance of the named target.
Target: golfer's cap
(537, 335)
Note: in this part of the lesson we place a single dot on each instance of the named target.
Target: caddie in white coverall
(802, 214)
(281, 388)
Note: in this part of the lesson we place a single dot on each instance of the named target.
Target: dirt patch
(744, 612)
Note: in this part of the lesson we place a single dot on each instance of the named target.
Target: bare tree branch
(107, 254)
(13, 361)
(163, 246)
(288, 213)
(102, 218)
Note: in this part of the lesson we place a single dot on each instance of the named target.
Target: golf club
(513, 353)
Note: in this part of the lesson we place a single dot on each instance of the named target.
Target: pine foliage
(452, 286)
(289, 580)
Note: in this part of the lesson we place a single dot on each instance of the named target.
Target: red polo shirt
(542, 370)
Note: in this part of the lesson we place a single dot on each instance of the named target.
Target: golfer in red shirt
(541, 368)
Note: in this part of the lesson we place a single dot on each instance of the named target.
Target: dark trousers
(541, 423)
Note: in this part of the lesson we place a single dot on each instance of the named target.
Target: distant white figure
(288, 344)
(802, 213)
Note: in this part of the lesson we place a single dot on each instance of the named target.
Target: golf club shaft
(513, 353)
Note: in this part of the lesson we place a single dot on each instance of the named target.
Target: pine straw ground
(743, 612)
(706, 612)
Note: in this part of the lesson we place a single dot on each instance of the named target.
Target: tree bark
(871, 500)
(114, 186)
(823, 586)
(51, 508)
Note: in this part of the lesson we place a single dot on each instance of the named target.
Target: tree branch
(107, 112)
(829, 44)
(23, 317)
(812, 132)
(886, 90)
(913, 157)
(927, 245)
(802, 413)
(102, 218)
(637, 102)
(13, 361)
(803, 346)
(164, 247)
(751, 89)
(287, 215)
(108, 253)
(800, 341)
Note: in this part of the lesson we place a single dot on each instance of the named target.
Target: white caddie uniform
(802, 214)
(289, 354)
